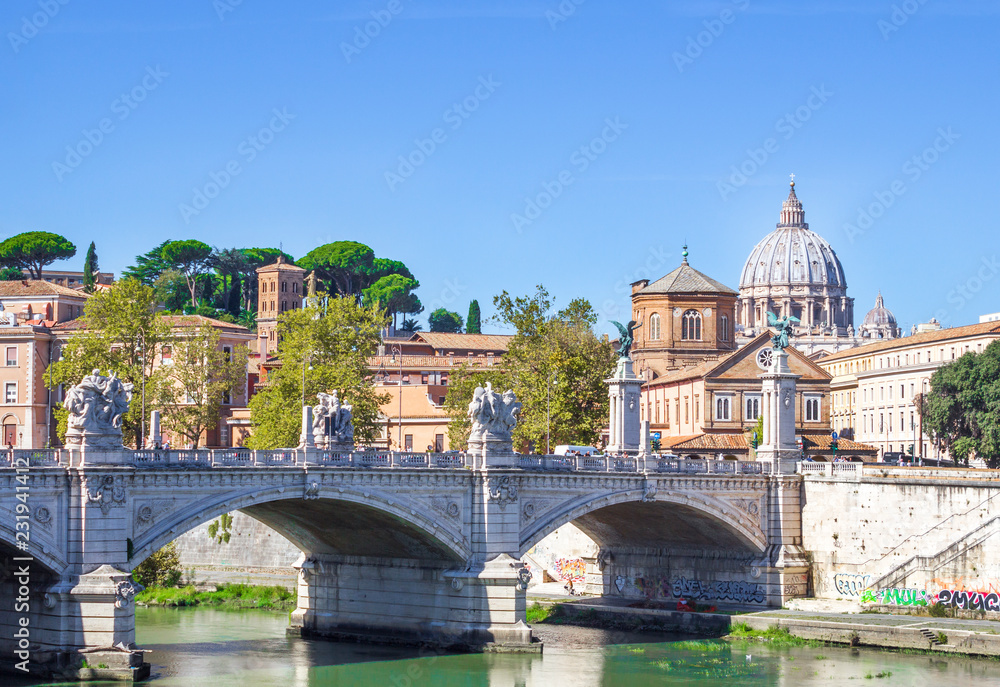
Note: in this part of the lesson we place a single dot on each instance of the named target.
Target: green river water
(203, 647)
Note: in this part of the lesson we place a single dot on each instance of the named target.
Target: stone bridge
(395, 547)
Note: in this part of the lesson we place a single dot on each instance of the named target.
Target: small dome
(879, 315)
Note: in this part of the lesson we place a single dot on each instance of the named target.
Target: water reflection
(250, 649)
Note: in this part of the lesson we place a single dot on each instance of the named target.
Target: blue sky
(631, 116)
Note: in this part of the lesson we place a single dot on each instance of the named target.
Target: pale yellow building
(874, 387)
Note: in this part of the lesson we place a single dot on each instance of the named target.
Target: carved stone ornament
(765, 358)
(110, 493)
(43, 516)
(333, 422)
(453, 509)
(523, 579)
(124, 592)
(145, 515)
(96, 406)
(529, 511)
(788, 399)
(648, 492)
(311, 491)
(503, 490)
(493, 416)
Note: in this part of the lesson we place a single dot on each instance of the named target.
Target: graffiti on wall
(571, 569)
(849, 584)
(720, 590)
(956, 598)
(896, 597)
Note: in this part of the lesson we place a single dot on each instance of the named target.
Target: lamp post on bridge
(552, 379)
(398, 353)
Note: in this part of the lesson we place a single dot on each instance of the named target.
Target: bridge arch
(345, 521)
(634, 518)
(52, 564)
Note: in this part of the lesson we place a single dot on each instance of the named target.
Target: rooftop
(28, 288)
(467, 342)
(915, 340)
(686, 279)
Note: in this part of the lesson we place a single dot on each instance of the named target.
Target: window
(167, 353)
(752, 408)
(657, 412)
(12, 356)
(723, 407)
(697, 407)
(227, 398)
(10, 392)
(438, 443)
(284, 287)
(724, 328)
(687, 410)
(812, 409)
(902, 392)
(228, 352)
(691, 326)
(408, 442)
(654, 327)
(295, 288)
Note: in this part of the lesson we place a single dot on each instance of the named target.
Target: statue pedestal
(778, 446)
(92, 448)
(495, 452)
(624, 435)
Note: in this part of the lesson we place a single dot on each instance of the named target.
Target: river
(203, 647)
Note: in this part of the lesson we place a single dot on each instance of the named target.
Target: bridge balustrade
(34, 458)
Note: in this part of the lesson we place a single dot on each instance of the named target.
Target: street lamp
(396, 351)
(548, 415)
(48, 410)
(142, 371)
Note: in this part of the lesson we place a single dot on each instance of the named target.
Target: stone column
(306, 437)
(624, 426)
(155, 437)
(778, 388)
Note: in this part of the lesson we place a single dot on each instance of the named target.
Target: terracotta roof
(915, 340)
(36, 287)
(738, 442)
(708, 442)
(686, 279)
(201, 320)
(821, 442)
(472, 342)
(425, 362)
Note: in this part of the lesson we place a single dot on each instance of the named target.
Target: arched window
(654, 327)
(724, 328)
(691, 326)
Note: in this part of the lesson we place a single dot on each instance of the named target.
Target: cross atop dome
(792, 213)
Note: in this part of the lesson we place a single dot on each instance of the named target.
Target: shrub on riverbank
(272, 598)
(773, 635)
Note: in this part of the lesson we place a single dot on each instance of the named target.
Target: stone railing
(246, 458)
(842, 470)
(31, 458)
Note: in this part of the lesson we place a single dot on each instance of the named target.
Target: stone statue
(7, 319)
(626, 339)
(333, 422)
(96, 406)
(779, 341)
(493, 416)
(311, 284)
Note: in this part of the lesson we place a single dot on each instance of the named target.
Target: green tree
(394, 294)
(122, 333)
(442, 320)
(192, 258)
(327, 348)
(90, 269)
(346, 266)
(11, 274)
(149, 266)
(473, 324)
(199, 379)
(555, 363)
(33, 250)
(410, 325)
(961, 411)
(161, 569)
